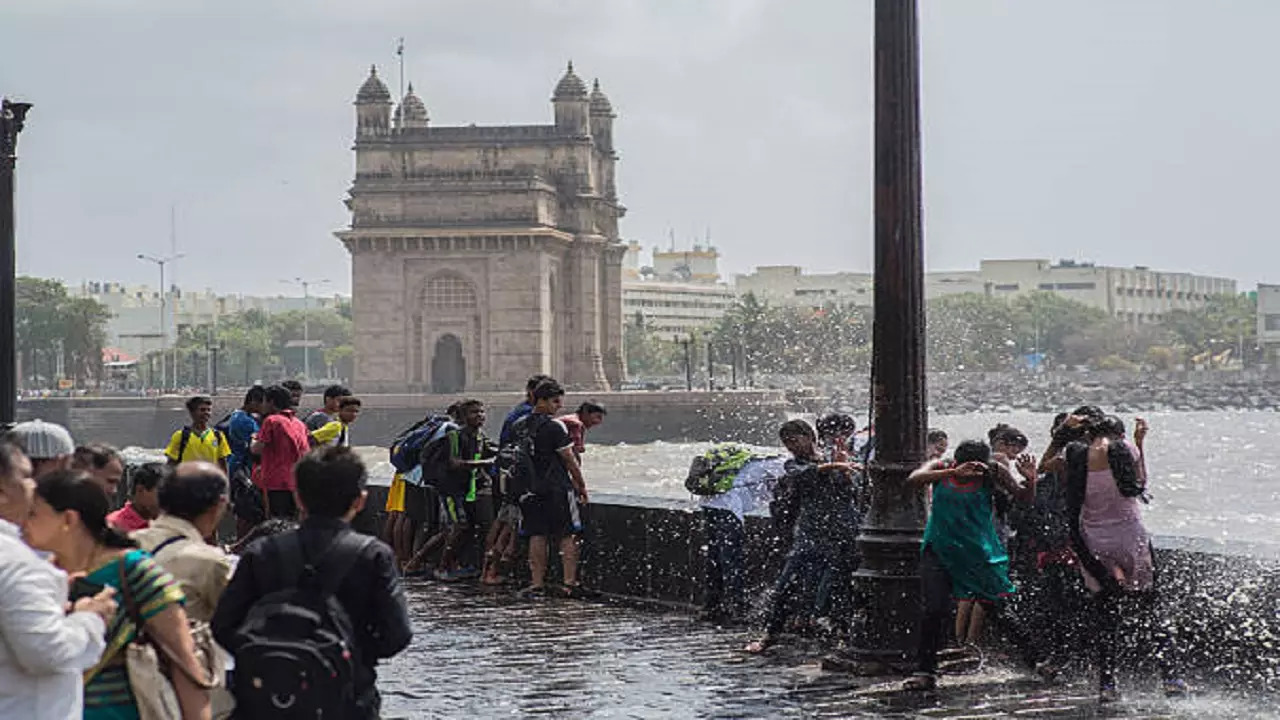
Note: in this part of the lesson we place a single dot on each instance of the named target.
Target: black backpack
(518, 458)
(295, 652)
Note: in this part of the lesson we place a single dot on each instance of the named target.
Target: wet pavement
(481, 654)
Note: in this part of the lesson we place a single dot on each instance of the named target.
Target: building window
(1046, 286)
(1010, 287)
(1271, 322)
(449, 292)
(1077, 286)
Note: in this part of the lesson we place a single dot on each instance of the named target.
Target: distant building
(1269, 322)
(1136, 295)
(678, 295)
(135, 325)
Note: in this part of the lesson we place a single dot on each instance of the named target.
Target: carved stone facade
(482, 255)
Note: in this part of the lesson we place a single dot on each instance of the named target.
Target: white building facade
(1136, 295)
(139, 321)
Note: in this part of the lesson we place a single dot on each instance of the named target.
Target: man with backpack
(455, 464)
(549, 483)
(199, 441)
(731, 480)
(288, 664)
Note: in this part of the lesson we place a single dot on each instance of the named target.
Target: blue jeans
(724, 590)
(804, 571)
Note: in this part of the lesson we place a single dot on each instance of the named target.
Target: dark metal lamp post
(890, 539)
(13, 115)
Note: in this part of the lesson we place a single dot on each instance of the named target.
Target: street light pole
(164, 316)
(890, 535)
(306, 322)
(13, 115)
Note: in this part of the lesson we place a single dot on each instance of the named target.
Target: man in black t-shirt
(553, 510)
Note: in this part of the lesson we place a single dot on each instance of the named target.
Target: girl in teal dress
(961, 556)
(69, 519)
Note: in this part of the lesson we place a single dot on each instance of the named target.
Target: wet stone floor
(482, 654)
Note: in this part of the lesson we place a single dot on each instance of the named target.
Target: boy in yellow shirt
(199, 441)
(337, 432)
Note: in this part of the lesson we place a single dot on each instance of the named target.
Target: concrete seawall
(1221, 601)
(634, 417)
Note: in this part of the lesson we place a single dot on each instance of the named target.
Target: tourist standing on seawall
(519, 411)
(281, 442)
(43, 649)
(587, 416)
(553, 493)
(730, 481)
(333, 396)
(143, 506)
(242, 425)
(337, 431)
(198, 440)
(961, 556)
(69, 519)
(820, 496)
(1105, 479)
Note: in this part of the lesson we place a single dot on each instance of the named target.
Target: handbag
(149, 663)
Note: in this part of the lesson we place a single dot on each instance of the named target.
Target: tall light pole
(13, 115)
(164, 316)
(890, 535)
(306, 321)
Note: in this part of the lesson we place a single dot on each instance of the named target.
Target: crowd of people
(88, 589)
(142, 612)
(1052, 547)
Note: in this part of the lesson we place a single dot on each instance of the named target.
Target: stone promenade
(479, 654)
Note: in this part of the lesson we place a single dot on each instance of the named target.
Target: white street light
(306, 321)
(164, 327)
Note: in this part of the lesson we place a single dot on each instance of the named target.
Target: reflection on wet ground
(480, 654)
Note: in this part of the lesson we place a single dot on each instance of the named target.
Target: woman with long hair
(1106, 478)
(69, 519)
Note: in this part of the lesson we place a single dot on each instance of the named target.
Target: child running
(961, 556)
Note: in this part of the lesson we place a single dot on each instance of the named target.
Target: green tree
(1225, 322)
(49, 323)
(647, 354)
(970, 331)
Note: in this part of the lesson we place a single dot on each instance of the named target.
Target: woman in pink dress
(1106, 481)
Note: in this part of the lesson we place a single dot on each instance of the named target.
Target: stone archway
(448, 366)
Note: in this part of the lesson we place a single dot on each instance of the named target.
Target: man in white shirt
(43, 648)
(724, 596)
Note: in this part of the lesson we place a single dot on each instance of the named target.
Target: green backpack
(713, 472)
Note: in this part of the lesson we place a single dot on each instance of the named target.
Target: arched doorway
(448, 366)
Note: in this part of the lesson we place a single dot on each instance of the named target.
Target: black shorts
(415, 502)
(554, 515)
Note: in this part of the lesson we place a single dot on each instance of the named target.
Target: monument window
(449, 292)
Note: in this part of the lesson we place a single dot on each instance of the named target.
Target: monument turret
(572, 106)
(373, 106)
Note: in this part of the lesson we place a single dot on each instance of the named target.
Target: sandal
(575, 592)
(921, 682)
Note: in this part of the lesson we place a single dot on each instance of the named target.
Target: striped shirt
(106, 691)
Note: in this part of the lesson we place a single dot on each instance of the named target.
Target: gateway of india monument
(483, 255)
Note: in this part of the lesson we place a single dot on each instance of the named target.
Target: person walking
(43, 648)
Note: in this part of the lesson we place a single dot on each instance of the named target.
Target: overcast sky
(1120, 131)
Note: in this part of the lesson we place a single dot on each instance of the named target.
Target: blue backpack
(406, 449)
